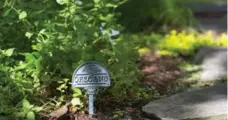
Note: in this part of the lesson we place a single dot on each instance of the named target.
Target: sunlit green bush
(42, 42)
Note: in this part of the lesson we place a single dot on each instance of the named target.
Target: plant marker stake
(91, 91)
(91, 75)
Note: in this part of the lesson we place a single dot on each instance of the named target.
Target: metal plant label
(90, 76)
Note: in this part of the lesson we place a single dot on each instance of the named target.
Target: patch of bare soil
(161, 72)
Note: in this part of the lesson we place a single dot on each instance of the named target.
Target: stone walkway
(204, 104)
(201, 104)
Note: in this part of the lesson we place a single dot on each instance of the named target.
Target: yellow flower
(143, 51)
(187, 43)
(173, 32)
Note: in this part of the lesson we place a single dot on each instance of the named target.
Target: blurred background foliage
(147, 15)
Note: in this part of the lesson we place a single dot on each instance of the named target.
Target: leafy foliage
(44, 41)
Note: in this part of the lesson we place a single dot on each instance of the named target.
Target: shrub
(141, 15)
(49, 39)
(144, 42)
(10, 92)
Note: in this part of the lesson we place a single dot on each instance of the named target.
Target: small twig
(60, 112)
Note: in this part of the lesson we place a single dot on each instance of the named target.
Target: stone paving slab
(202, 104)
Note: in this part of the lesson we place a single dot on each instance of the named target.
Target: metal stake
(91, 107)
(91, 92)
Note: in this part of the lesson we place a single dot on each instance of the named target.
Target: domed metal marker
(91, 75)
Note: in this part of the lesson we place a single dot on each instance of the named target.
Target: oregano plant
(44, 41)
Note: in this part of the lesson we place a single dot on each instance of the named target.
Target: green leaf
(9, 52)
(75, 101)
(65, 80)
(42, 31)
(26, 105)
(122, 2)
(77, 92)
(22, 15)
(106, 18)
(92, 10)
(30, 115)
(96, 1)
(62, 2)
(28, 34)
(60, 82)
(111, 5)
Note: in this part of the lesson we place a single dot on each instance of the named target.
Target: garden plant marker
(91, 75)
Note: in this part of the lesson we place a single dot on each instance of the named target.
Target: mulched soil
(161, 72)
